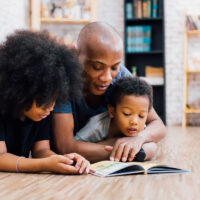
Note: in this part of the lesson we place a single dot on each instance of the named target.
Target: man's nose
(106, 76)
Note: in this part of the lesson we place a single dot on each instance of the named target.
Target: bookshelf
(36, 18)
(152, 55)
(187, 71)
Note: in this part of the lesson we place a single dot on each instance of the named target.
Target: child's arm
(54, 163)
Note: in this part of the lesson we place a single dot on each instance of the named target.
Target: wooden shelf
(36, 20)
(145, 19)
(192, 70)
(193, 32)
(148, 52)
(192, 110)
(63, 21)
(187, 72)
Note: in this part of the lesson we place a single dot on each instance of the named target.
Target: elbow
(64, 146)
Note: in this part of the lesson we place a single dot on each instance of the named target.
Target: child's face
(36, 113)
(130, 114)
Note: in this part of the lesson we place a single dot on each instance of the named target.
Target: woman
(35, 71)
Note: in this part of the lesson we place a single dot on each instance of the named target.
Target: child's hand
(80, 163)
(59, 164)
(125, 148)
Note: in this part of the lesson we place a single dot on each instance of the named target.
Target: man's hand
(125, 148)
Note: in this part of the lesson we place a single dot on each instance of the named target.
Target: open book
(112, 168)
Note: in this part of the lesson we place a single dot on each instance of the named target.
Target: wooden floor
(180, 148)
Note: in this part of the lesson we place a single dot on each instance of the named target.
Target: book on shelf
(154, 8)
(113, 168)
(142, 9)
(153, 80)
(151, 71)
(148, 8)
(138, 38)
(129, 10)
(193, 22)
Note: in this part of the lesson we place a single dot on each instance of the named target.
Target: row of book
(193, 22)
(142, 9)
(153, 75)
(138, 39)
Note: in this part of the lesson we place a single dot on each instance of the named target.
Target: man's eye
(114, 68)
(97, 67)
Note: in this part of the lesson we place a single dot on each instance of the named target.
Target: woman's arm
(53, 163)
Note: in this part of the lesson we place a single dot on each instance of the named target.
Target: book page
(105, 168)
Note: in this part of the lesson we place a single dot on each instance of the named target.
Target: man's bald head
(98, 33)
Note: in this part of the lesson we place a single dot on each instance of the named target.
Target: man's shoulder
(123, 72)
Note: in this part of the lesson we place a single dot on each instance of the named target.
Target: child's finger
(112, 155)
(108, 148)
(131, 155)
(125, 153)
(119, 151)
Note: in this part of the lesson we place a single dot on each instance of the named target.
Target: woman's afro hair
(130, 86)
(36, 66)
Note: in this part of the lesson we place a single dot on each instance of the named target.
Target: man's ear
(73, 47)
(111, 111)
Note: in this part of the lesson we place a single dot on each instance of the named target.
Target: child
(129, 103)
(35, 72)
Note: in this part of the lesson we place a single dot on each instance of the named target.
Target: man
(100, 50)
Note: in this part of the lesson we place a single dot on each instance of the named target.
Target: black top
(20, 136)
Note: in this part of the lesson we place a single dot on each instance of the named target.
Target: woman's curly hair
(130, 86)
(36, 66)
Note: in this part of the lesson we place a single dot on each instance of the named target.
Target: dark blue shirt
(20, 136)
(81, 111)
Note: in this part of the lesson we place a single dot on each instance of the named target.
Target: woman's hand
(80, 163)
(66, 164)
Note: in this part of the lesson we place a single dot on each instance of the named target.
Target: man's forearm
(154, 132)
(92, 151)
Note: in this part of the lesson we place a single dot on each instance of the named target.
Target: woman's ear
(111, 111)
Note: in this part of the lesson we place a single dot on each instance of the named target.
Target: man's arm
(64, 142)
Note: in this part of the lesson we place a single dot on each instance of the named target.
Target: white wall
(14, 15)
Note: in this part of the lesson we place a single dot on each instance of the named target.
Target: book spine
(144, 8)
(139, 7)
(148, 8)
(128, 38)
(135, 3)
(134, 38)
(154, 8)
(129, 10)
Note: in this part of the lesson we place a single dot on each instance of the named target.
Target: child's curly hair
(130, 86)
(35, 66)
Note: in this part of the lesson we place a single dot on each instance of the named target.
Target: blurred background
(161, 42)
